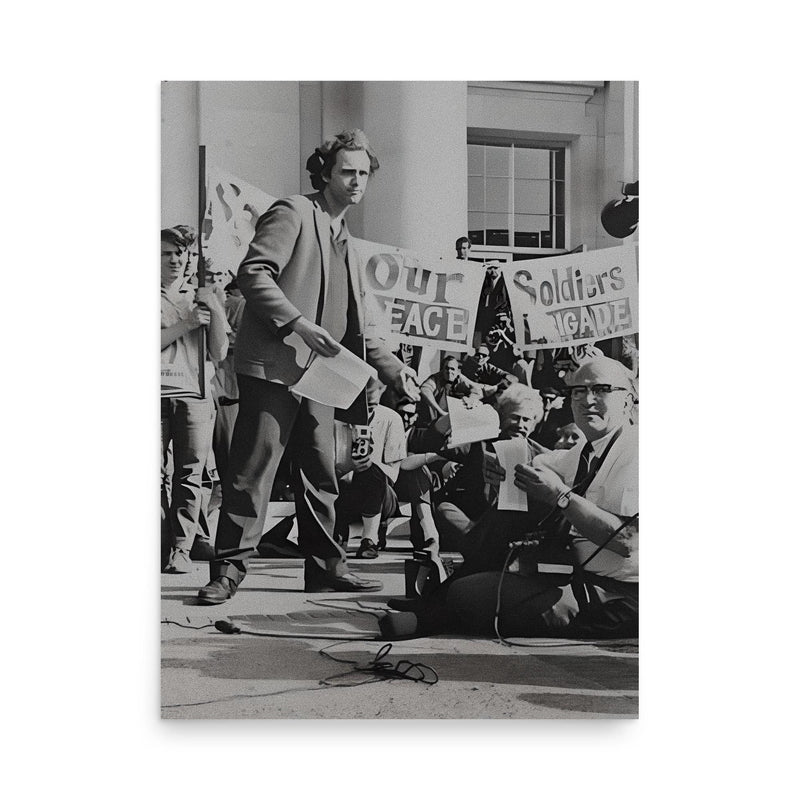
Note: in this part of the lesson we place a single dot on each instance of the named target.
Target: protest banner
(575, 299)
(419, 301)
(233, 207)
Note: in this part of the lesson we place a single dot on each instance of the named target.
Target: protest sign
(233, 207)
(420, 301)
(575, 299)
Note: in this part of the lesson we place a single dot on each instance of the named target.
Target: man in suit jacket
(299, 277)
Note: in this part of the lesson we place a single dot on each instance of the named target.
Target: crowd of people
(390, 452)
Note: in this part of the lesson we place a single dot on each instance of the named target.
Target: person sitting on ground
(556, 413)
(491, 379)
(447, 382)
(416, 480)
(502, 342)
(466, 497)
(595, 489)
(568, 436)
(366, 488)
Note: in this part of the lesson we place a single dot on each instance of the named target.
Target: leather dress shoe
(217, 591)
(320, 580)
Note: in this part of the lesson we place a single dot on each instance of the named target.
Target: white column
(418, 199)
(179, 153)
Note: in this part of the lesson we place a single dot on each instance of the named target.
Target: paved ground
(213, 675)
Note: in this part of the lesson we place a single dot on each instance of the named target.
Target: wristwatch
(563, 499)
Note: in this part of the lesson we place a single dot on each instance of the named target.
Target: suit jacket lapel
(354, 267)
(322, 223)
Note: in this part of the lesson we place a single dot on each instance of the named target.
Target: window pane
(532, 197)
(497, 194)
(526, 239)
(531, 227)
(475, 194)
(475, 159)
(497, 161)
(497, 229)
(475, 221)
(530, 163)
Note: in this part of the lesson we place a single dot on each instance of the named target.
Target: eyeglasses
(598, 390)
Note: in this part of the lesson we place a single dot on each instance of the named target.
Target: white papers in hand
(511, 452)
(475, 424)
(334, 381)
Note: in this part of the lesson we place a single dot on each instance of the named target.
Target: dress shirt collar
(599, 445)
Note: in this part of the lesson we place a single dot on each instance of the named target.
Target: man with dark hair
(491, 378)
(447, 382)
(300, 276)
(186, 422)
(462, 248)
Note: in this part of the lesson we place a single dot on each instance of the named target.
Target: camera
(362, 441)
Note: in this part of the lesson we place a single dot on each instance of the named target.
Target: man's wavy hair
(321, 161)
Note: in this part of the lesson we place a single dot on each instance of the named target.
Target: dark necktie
(582, 480)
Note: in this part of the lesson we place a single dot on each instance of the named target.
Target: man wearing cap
(301, 281)
(595, 490)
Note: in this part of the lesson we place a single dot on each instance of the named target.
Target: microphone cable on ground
(383, 670)
(380, 669)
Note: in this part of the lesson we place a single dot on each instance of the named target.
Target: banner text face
(418, 301)
(574, 299)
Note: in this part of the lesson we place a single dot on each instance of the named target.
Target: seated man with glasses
(593, 490)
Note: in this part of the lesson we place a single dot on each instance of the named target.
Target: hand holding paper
(510, 453)
(316, 337)
(334, 381)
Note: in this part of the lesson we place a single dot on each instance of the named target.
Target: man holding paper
(594, 488)
(302, 287)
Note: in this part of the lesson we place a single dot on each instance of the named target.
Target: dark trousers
(531, 605)
(367, 494)
(370, 493)
(269, 419)
(414, 486)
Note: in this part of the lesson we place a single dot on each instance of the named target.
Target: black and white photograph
(366, 518)
(399, 399)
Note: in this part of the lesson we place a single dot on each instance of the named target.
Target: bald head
(602, 369)
(601, 391)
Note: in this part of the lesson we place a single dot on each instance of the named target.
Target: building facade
(523, 167)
